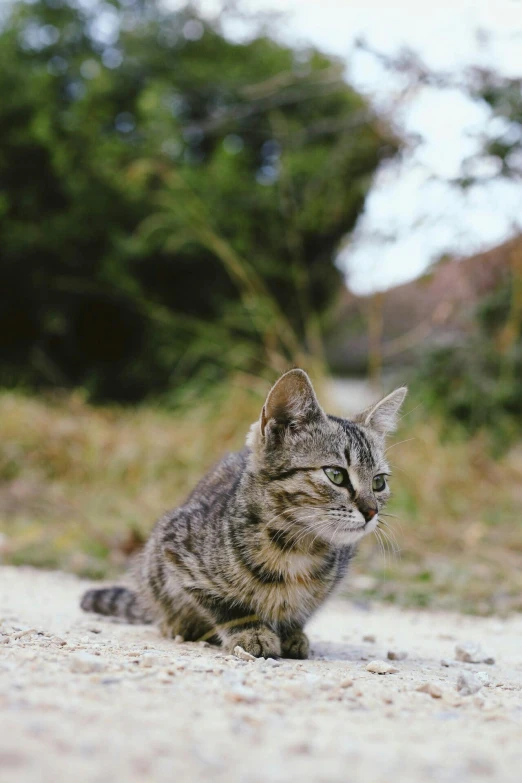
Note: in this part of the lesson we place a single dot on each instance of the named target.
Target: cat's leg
(237, 625)
(294, 643)
(185, 620)
(259, 640)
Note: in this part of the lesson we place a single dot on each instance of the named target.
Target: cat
(269, 532)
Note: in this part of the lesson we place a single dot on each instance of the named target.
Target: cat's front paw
(296, 645)
(259, 642)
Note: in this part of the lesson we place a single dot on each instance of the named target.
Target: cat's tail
(117, 602)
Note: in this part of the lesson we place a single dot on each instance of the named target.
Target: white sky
(427, 216)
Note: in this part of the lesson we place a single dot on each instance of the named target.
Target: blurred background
(196, 197)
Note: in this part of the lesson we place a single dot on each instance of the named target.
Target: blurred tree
(171, 201)
(477, 382)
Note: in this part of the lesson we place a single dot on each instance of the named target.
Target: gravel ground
(87, 699)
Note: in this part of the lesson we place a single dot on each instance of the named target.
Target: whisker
(408, 412)
(398, 444)
(397, 467)
(390, 538)
(381, 545)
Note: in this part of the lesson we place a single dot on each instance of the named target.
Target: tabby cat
(265, 537)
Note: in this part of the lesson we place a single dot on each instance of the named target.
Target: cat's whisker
(394, 546)
(398, 444)
(387, 525)
(381, 545)
(397, 467)
(391, 530)
(408, 412)
(302, 533)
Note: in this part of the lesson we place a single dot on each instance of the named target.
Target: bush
(171, 201)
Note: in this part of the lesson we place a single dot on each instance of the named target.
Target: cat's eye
(379, 483)
(335, 475)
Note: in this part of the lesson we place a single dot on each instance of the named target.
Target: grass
(80, 487)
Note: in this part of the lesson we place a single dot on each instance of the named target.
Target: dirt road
(86, 699)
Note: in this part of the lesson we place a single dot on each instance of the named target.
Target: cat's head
(325, 475)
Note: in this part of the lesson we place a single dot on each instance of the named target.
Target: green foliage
(171, 201)
(478, 383)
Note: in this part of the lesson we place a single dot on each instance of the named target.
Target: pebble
(242, 654)
(430, 687)
(241, 693)
(346, 683)
(380, 667)
(369, 637)
(484, 678)
(468, 684)
(85, 663)
(20, 634)
(397, 655)
(149, 659)
(469, 652)
(271, 662)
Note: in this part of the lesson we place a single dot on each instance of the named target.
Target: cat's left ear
(290, 403)
(382, 417)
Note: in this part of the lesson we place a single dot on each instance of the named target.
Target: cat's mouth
(351, 534)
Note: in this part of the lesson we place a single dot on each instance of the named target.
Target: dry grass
(459, 524)
(81, 486)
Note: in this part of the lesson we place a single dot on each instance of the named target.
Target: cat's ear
(382, 417)
(291, 402)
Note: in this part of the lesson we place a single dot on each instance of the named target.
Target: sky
(410, 202)
(412, 215)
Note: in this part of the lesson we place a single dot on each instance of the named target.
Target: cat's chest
(303, 584)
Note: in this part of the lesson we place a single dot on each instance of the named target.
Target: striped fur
(266, 536)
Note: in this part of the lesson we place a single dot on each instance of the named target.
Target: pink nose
(368, 510)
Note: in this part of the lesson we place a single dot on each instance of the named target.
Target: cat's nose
(368, 510)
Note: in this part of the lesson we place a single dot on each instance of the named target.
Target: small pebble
(429, 687)
(272, 662)
(20, 634)
(484, 678)
(469, 652)
(346, 683)
(149, 659)
(242, 654)
(85, 663)
(241, 694)
(468, 684)
(397, 655)
(369, 637)
(380, 667)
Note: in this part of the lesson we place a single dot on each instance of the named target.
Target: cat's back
(219, 485)
(197, 524)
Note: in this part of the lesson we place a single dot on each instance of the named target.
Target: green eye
(335, 475)
(379, 483)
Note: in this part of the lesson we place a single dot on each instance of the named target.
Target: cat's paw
(296, 645)
(259, 642)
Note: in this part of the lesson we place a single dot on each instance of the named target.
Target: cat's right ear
(291, 403)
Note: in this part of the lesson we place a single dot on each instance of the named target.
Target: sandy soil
(87, 699)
